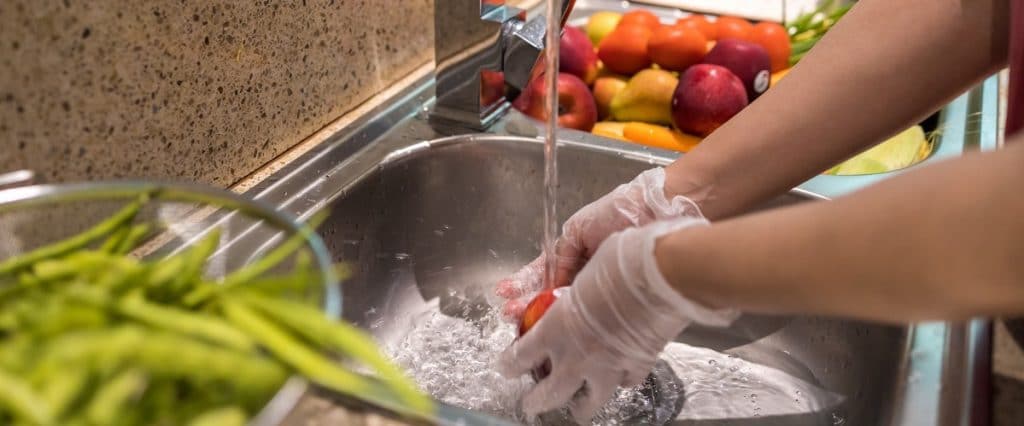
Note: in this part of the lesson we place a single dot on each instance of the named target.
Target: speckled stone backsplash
(192, 90)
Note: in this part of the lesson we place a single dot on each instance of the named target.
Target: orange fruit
(640, 17)
(700, 23)
(732, 27)
(676, 47)
(774, 39)
(624, 50)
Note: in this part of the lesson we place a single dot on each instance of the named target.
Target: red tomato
(641, 17)
(700, 23)
(733, 27)
(774, 39)
(676, 47)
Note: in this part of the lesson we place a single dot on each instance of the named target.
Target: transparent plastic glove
(636, 203)
(609, 328)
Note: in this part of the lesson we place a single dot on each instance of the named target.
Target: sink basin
(436, 227)
(430, 222)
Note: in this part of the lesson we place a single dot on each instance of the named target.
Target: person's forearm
(943, 242)
(884, 67)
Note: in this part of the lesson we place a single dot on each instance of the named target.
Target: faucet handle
(525, 43)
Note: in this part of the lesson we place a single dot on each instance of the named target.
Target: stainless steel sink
(429, 219)
(449, 219)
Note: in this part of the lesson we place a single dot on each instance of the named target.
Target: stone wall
(193, 90)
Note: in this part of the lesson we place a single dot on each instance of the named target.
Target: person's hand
(636, 203)
(609, 327)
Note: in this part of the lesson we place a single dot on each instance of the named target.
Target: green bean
(311, 364)
(131, 241)
(313, 325)
(113, 395)
(168, 355)
(297, 280)
(67, 317)
(63, 388)
(840, 12)
(165, 271)
(796, 58)
(14, 352)
(112, 242)
(121, 275)
(8, 321)
(195, 259)
(260, 266)
(202, 326)
(161, 402)
(26, 279)
(94, 296)
(275, 256)
(804, 45)
(231, 415)
(76, 242)
(202, 363)
(18, 398)
(75, 264)
(9, 290)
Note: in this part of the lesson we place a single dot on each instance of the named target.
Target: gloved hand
(636, 203)
(609, 328)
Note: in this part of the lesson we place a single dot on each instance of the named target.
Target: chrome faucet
(480, 47)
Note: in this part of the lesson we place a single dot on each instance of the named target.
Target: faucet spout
(480, 47)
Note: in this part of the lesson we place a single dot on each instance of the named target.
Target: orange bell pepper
(659, 137)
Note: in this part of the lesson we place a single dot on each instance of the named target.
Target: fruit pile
(665, 85)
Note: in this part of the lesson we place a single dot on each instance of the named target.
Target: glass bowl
(42, 215)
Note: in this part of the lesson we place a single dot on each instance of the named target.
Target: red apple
(534, 310)
(707, 96)
(576, 107)
(747, 61)
(576, 55)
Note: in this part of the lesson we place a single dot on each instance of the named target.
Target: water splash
(453, 360)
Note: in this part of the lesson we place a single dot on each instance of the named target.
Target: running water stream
(551, 40)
